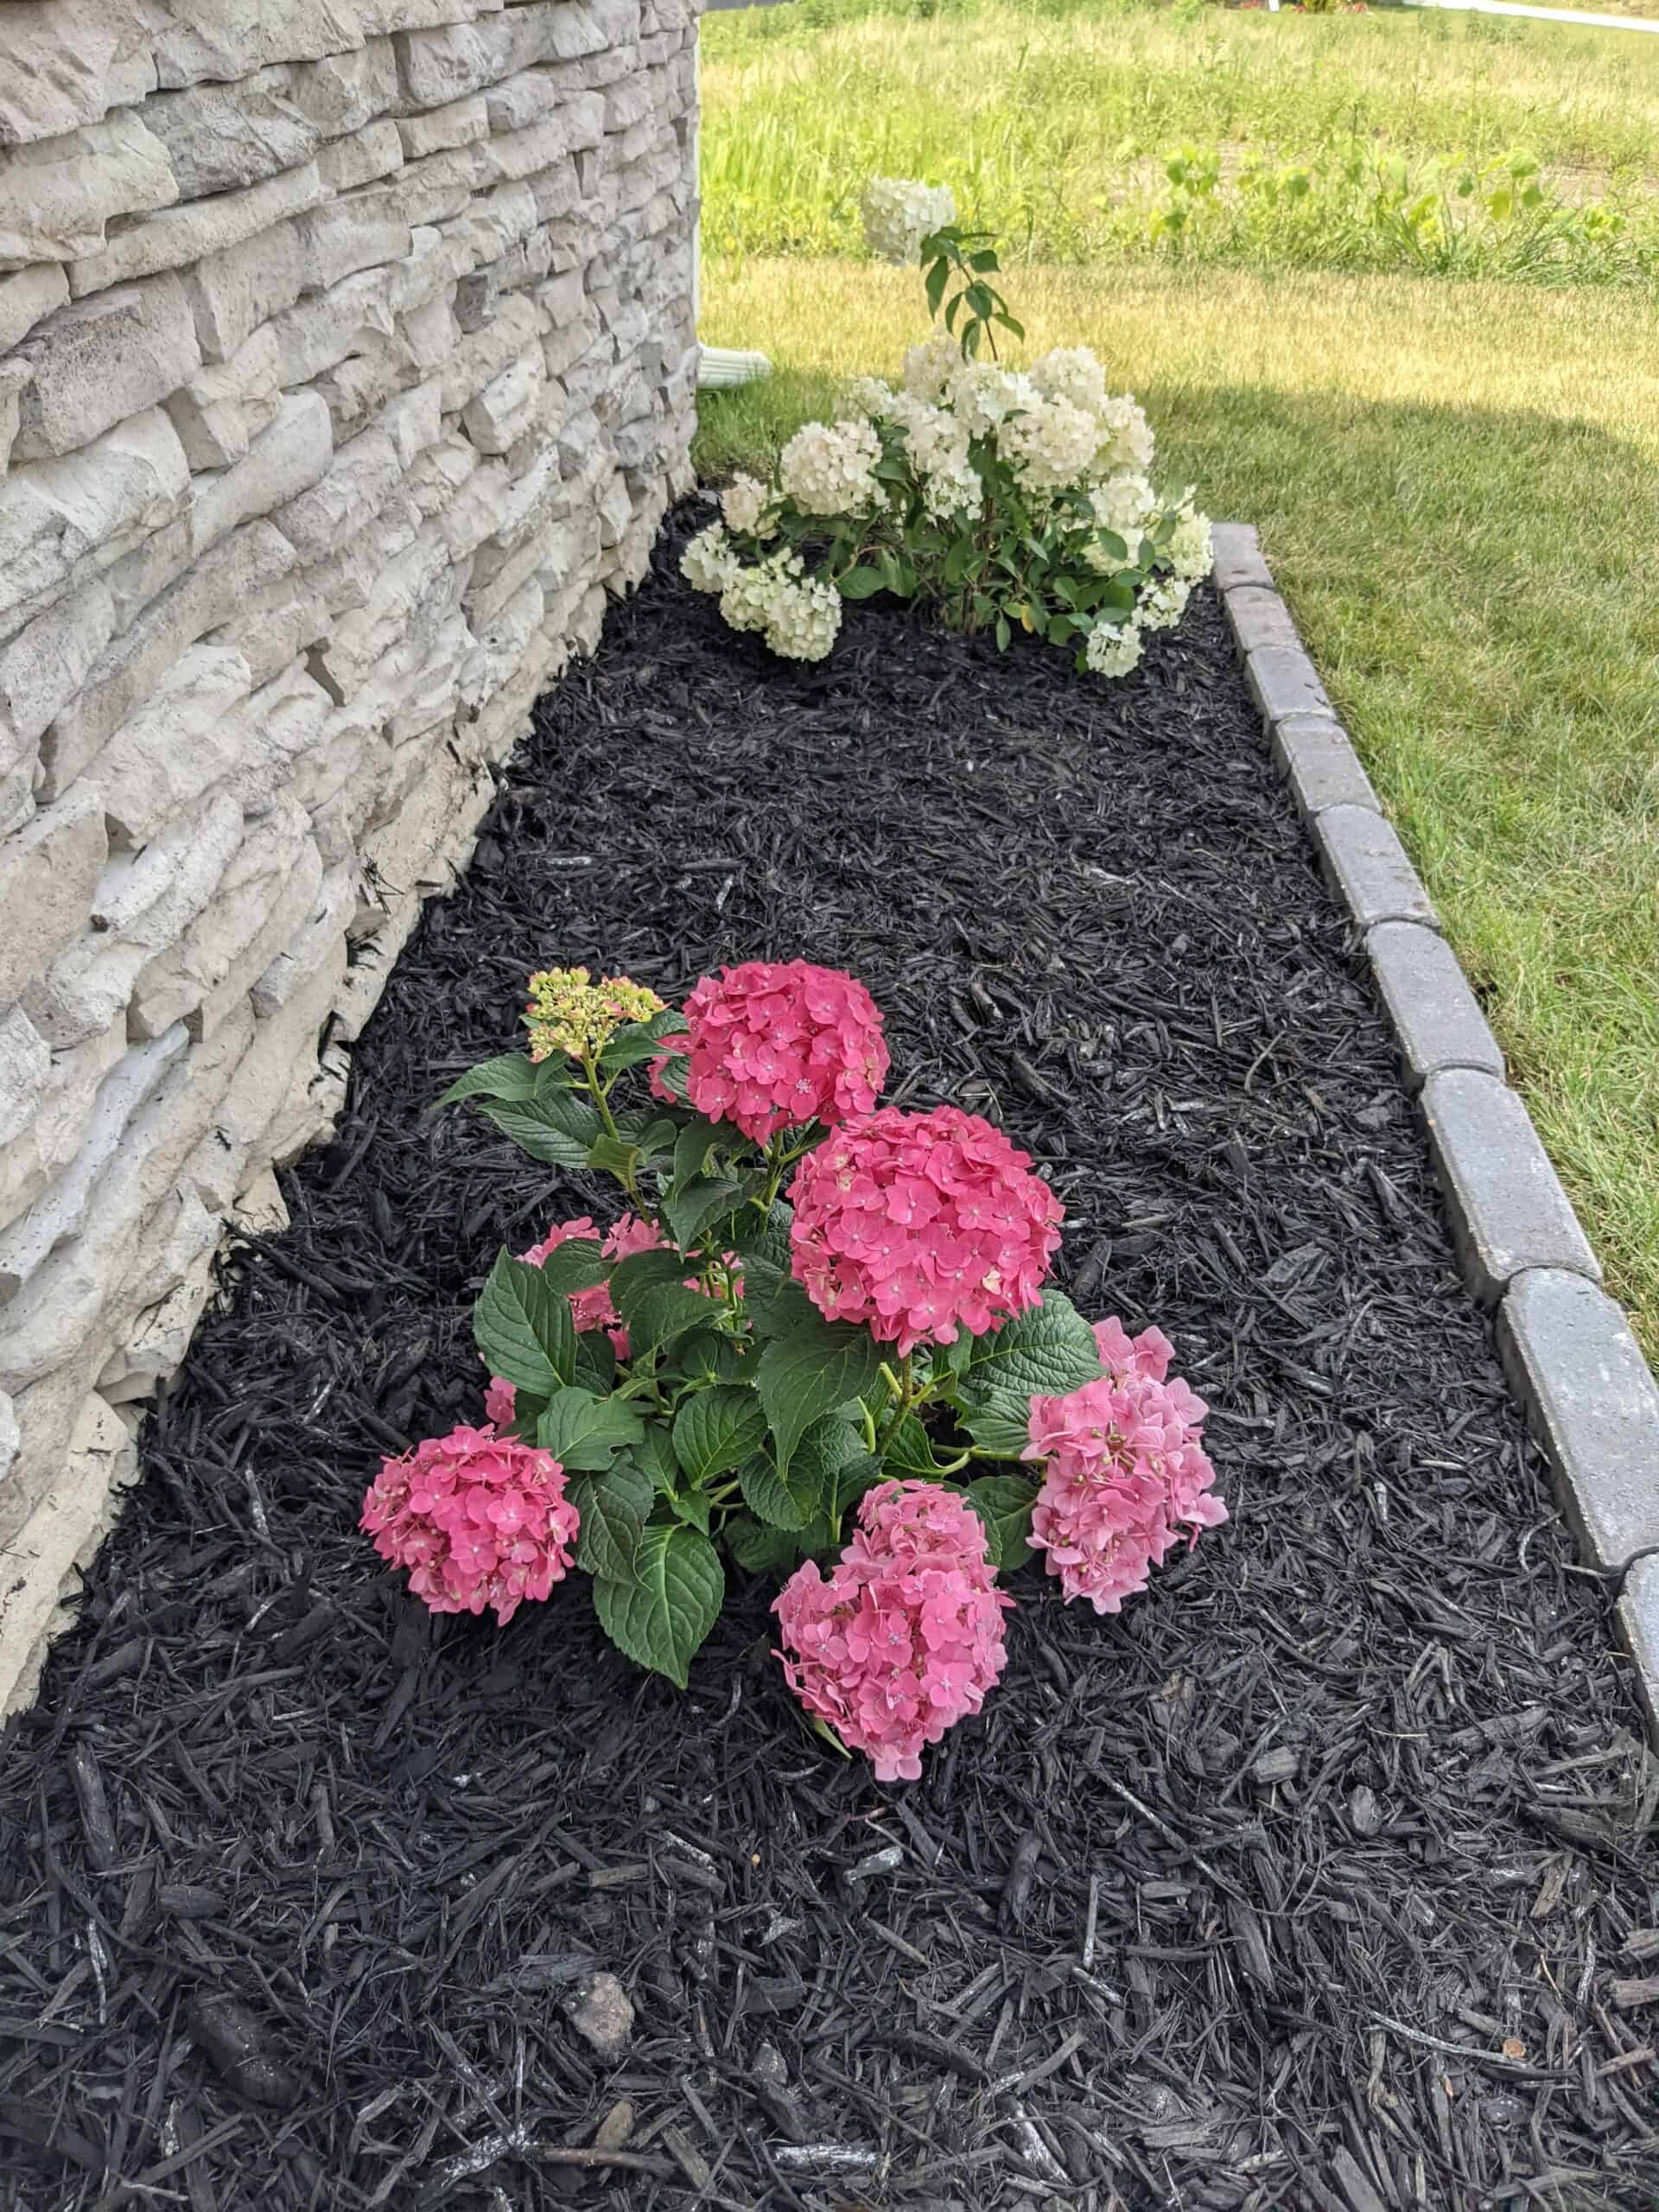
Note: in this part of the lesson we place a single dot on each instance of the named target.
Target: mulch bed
(1310, 1881)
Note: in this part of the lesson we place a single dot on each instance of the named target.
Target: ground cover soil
(1317, 1879)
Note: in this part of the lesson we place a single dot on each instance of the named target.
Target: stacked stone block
(346, 364)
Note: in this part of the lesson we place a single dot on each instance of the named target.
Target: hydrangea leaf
(578, 1264)
(999, 1422)
(609, 1155)
(654, 1455)
(583, 1432)
(782, 1502)
(523, 1327)
(708, 1357)
(910, 1451)
(1045, 1351)
(690, 1506)
(695, 1204)
(512, 1076)
(693, 1145)
(648, 1293)
(758, 1548)
(717, 1430)
(596, 1368)
(553, 1126)
(641, 1040)
(807, 1374)
(614, 1505)
(1003, 1503)
(661, 1615)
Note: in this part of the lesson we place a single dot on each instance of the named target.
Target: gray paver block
(1437, 1017)
(1508, 1211)
(1639, 1629)
(1261, 619)
(1367, 865)
(1238, 557)
(1575, 1362)
(1284, 681)
(1314, 754)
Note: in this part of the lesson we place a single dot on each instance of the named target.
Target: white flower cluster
(744, 505)
(798, 615)
(899, 214)
(829, 468)
(936, 442)
(1079, 455)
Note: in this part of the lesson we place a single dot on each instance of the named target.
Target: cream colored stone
(220, 411)
(100, 361)
(232, 291)
(64, 63)
(57, 194)
(179, 236)
(48, 873)
(225, 137)
(282, 462)
(223, 40)
(359, 158)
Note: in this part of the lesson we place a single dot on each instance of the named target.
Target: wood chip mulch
(1323, 1877)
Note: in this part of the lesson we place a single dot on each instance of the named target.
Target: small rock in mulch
(1321, 1878)
(601, 2012)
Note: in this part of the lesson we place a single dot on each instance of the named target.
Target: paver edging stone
(1566, 1346)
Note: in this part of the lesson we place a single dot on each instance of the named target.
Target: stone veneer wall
(347, 363)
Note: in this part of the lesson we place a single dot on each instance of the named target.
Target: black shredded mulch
(1317, 1879)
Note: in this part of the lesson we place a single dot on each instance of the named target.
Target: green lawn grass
(1457, 485)
(1054, 119)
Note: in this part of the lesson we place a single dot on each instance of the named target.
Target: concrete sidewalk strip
(1567, 1348)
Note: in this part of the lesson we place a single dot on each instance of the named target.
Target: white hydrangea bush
(1007, 499)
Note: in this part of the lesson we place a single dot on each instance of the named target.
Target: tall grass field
(1453, 460)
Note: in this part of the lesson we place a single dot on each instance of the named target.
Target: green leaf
(690, 1506)
(708, 1357)
(510, 1075)
(641, 1040)
(578, 1264)
(1003, 1503)
(1047, 1350)
(998, 1421)
(693, 1205)
(661, 1616)
(860, 583)
(782, 1502)
(758, 1548)
(611, 1155)
(596, 1367)
(830, 1466)
(555, 1126)
(938, 277)
(524, 1328)
(809, 1373)
(654, 1456)
(717, 1430)
(614, 1505)
(694, 1143)
(661, 1313)
(674, 1073)
(582, 1432)
(910, 1451)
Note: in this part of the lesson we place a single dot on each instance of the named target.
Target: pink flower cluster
(906, 1635)
(589, 1309)
(478, 1519)
(774, 1044)
(1126, 1471)
(920, 1225)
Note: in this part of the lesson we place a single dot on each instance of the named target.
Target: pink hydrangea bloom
(478, 1520)
(774, 1044)
(589, 1309)
(1126, 1471)
(921, 1225)
(904, 1635)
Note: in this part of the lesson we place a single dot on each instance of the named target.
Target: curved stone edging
(1566, 1346)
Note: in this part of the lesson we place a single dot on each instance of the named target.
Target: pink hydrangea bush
(919, 1225)
(775, 1044)
(1125, 1471)
(904, 1636)
(478, 1520)
(776, 1360)
(589, 1309)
